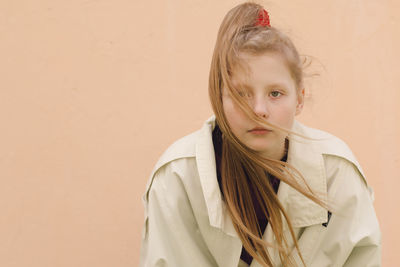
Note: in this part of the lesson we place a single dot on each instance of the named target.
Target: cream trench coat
(187, 224)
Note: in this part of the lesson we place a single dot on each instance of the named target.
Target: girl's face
(271, 92)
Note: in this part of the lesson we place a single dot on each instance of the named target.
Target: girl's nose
(260, 107)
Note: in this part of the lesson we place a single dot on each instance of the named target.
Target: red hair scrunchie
(263, 19)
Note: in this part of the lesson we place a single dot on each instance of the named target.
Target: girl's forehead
(267, 68)
(249, 63)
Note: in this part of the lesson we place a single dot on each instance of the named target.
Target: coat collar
(205, 159)
(305, 156)
(302, 155)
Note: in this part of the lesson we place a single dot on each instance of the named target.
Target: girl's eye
(244, 94)
(275, 94)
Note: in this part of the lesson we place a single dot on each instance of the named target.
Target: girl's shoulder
(335, 152)
(179, 159)
(326, 143)
(184, 147)
(190, 146)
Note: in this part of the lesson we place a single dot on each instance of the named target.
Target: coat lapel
(302, 211)
(227, 246)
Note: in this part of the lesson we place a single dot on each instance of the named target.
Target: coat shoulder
(329, 145)
(184, 147)
(326, 143)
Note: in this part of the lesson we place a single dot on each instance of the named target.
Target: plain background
(93, 91)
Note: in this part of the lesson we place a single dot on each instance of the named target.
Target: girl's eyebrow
(280, 85)
(272, 85)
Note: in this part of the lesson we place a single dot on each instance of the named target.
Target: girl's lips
(259, 131)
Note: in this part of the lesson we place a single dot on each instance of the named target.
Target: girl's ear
(300, 101)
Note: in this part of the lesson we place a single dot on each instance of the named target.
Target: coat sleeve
(352, 236)
(171, 236)
(365, 234)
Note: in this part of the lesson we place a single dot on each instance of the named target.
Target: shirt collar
(302, 155)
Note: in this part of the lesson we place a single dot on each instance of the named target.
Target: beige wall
(92, 92)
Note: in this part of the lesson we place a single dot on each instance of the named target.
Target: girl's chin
(262, 150)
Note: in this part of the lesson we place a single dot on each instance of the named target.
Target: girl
(254, 187)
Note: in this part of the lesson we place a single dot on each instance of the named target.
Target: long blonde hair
(243, 171)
